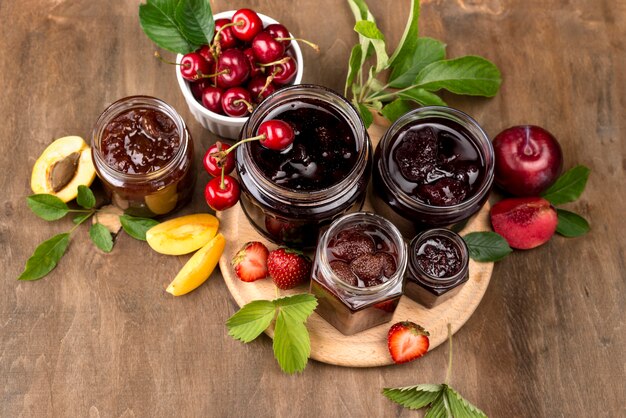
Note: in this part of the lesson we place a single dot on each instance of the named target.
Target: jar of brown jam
(143, 153)
(358, 272)
(438, 266)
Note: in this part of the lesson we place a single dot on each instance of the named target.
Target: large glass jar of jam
(438, 266)
(358, 271)
(432, 168)
(288, 196)
(143, 154)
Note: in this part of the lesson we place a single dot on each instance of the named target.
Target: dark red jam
(436, 163)
(323, 153)
(439, 257)
(139, 141)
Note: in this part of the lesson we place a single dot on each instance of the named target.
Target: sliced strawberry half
(250, 262)
(407, 341)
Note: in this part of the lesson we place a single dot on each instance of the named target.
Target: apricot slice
(199, 267)
(182, 235)
(62, 167)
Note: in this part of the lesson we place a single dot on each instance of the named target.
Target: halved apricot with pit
(182, 235)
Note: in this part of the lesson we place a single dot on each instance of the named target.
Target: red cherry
(206, 53)
(213, 166)
(235, 67)
(254, 69)
(278, 134)
(212, 99)
(227, 38)
(259, 90)
(192, 65)
(198, 86)
(236, 102)
(266, 49)
(222, 195)
(276, 30)
(284, 72)
(248, 24)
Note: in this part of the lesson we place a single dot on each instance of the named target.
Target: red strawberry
(288, 268)
(250, 263)
(407, 341)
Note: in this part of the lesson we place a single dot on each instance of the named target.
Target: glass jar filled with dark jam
(288, 196)
(358, 272)
(143, 154)
(438, 266)
(432, 168)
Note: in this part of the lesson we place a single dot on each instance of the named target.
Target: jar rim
(478, 136)
(321, 196)
(124, 104)
(363, 218)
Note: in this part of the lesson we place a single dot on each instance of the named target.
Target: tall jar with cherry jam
(143, 153)
(289, 196)
(432, 168)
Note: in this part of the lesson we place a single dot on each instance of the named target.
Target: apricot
(199, 267)
(63, 166)
(182, 235)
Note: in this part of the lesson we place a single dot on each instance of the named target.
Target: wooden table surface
(99, 337)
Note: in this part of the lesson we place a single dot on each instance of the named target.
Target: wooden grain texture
(99, 337)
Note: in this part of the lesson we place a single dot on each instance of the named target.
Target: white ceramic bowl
(223, 125)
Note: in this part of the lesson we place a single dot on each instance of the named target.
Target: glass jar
(436, 274)
(168, 182)
(348, 307)
(291, 216)
(394, 197)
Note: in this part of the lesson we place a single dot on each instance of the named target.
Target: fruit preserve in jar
(143, 154)
(288, 196)
(432, 168)
(438, 266)
(358, 271)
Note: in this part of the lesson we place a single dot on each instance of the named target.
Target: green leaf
(471, 75)
(569, 186)
(292, 345)
(427, 51)
(487, 246)
(414, 397)
(366, 115)
(438, 409)
(408, 42)
(571, 224)
(195, 20)
(101, 236)
(354, 66)
(82, 218)
(460, 407)
(251, 320)
(47, 206)
(158, 21)
(137, 227)
(395, 109)
(370, 31)
(297, 307)
(45, 257)
(361, 12)
(85, 197)
(423, 97)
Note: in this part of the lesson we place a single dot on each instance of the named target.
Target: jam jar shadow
(290, 196)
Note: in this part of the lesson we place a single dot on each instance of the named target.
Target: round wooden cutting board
(367, 348)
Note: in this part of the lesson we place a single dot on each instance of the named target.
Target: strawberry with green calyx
(288, 268)
(407, 341)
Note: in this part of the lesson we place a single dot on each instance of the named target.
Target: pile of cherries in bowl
(245, 63)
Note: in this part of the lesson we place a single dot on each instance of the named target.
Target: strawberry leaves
(292, 345)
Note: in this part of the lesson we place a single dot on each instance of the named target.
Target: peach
(182, 235)
(525, 222)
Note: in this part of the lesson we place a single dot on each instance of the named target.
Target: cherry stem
(200, 75)
(268, 81)
(228, 25)
(449, 372)
(247, 103)
(281, 61)
(309, 43)
(156, 54)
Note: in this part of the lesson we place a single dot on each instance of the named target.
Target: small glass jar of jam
(432, 168)
(438, 266)
(358, 272)
(143, 153)
(288, 196)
